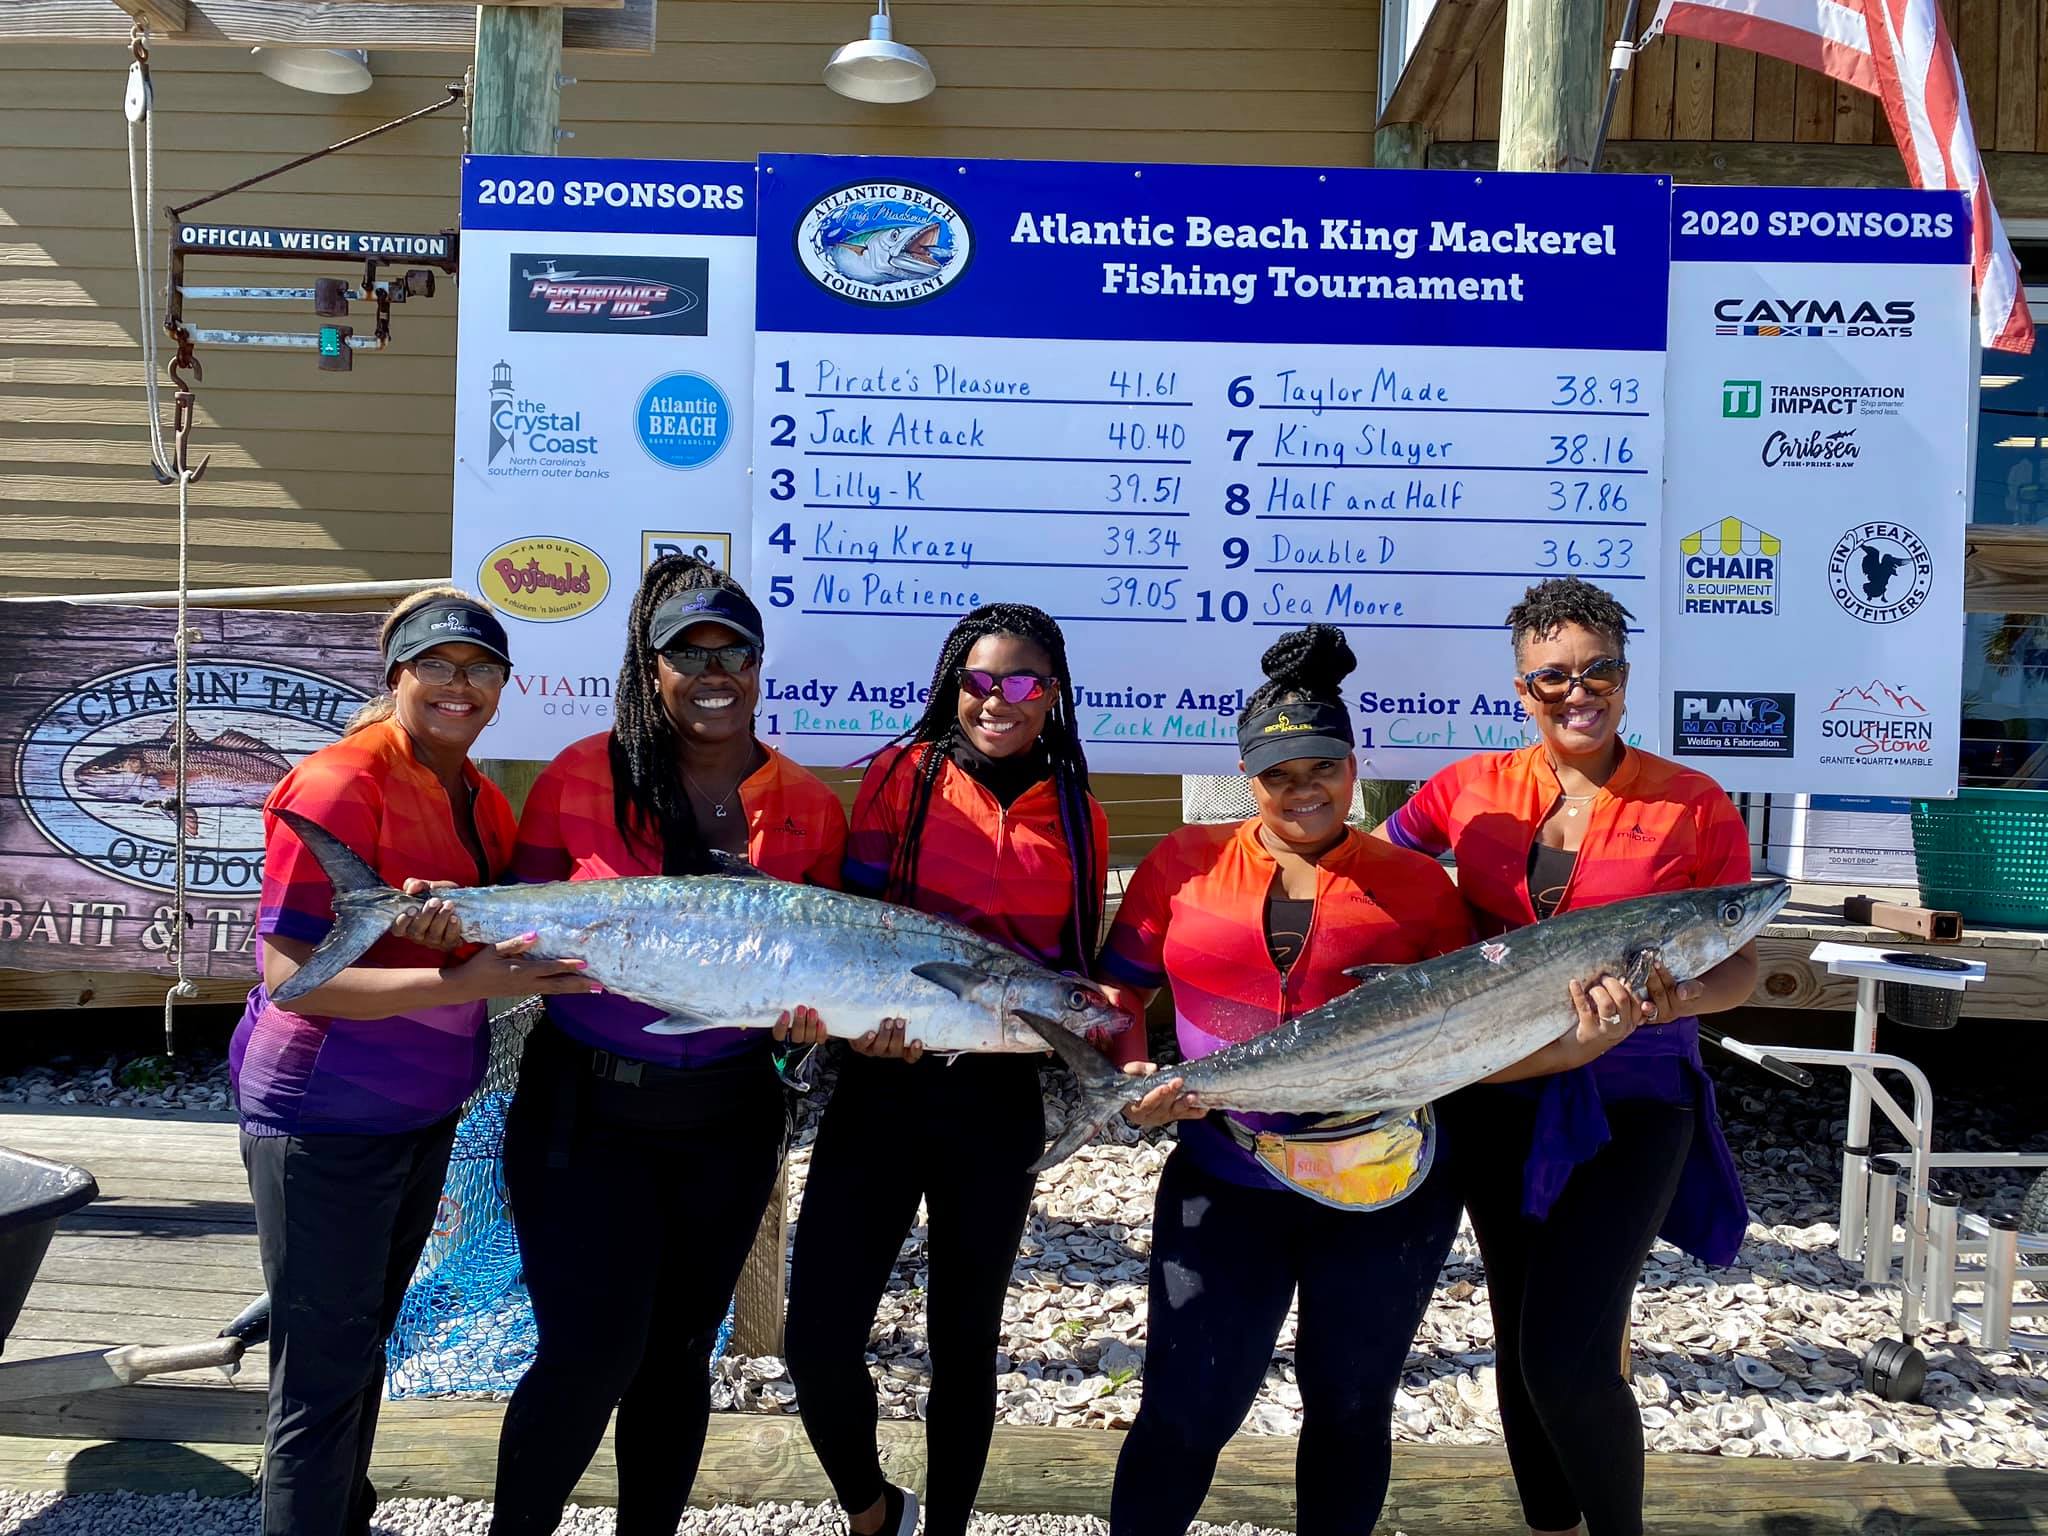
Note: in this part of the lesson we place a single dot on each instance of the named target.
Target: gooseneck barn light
(326, 71)
(878, 68)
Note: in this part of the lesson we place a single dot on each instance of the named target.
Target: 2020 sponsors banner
(1817, 473)
(603, 389)
(1186, 408)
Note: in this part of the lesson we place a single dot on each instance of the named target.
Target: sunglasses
(1553, 685)
(1015, 687)
(695, 660)
(438, 672)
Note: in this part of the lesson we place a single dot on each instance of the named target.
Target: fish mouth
(919, 246)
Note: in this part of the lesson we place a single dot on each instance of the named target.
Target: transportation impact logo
(1731, 568)
(97, 771)
(1731, 724)
(531, 439)
(883, 243)
(684, 420)
(543, 579)
(611, 295)
(1876, 725)
(1880, 573)
(1742, 399)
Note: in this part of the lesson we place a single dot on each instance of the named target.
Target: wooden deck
(168, 1254)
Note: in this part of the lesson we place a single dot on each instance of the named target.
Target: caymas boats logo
(883, 242)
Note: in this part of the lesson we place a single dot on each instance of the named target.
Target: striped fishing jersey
(796, 830)
(1003, 871)
(301, 1074)
(1194, 917)
(1654, 826)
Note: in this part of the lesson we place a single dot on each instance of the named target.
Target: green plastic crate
(1985, 855)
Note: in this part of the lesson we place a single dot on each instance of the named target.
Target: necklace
(1571, 809)
(718, 805)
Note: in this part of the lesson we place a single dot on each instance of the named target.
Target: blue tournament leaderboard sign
(1185, 408)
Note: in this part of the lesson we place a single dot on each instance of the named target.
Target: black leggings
(963, 1135)
(1226, 1260)
(1560, 1290)
(633, 1233)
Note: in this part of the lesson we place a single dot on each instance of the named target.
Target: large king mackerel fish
(1407, 1035)
(734, 951)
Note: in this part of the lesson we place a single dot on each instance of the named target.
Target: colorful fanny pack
(1351, 1165)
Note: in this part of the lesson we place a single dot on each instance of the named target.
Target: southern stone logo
(1730, 568)
(1731, 724)
(1876, 725)
(1880, 573)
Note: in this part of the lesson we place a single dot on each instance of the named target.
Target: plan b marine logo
(883, 243)
(610, 295)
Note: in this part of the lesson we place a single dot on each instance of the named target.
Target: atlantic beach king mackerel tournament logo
(97, 770)
(883, 242)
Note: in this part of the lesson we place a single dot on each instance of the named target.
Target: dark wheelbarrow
(36, 1194)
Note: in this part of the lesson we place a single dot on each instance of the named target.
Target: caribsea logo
(684, 420)
(1730, 567)
(1742, 399)
(1876, 725)
(98, 776)
(531, 439)
(543, 579)
(611, 295)
(1731, 724)
(1818, 449)
(883, 243)
(1880, 572)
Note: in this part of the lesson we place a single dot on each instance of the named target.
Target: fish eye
(1731, 912)
(1078, 999)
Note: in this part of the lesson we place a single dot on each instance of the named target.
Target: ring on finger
(1610, 1020)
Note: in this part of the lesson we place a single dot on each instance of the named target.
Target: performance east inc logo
(534, 439)
(1880, 573)
(883, 243)
(610, 295)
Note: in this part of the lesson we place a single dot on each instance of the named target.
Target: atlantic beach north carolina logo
(883, 243)
(97, 771)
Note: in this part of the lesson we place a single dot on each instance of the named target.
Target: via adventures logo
(1876, 725)
(683, 420)
(1880, 573)
(530, 439)
(883, 242)
(97, 771)
(544, 580)
(1742, 399)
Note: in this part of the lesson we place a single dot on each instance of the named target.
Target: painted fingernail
(529, 938)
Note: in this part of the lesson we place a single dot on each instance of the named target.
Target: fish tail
(1104, 1090)
(364, 908)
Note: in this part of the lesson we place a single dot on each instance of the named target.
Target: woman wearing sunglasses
(983, 815)
(348, 1098)
(1572, 1162)
(639, 1164)
(1251, 924)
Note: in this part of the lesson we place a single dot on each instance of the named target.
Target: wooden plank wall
(322, 477)
(1684, 89)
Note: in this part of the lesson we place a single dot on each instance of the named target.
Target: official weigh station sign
(201, 239)
(1184, 409)
(604, 387)
(90, 805)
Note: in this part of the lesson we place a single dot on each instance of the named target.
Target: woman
(638, 1165)
(985, 816)
(1569, 1170)
(349, 1098)
(1251, 924)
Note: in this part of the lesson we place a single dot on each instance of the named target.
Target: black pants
(340, 1222)
(1560, 1290)
(962, 1135)
(635, 1209)
(1226, 1260)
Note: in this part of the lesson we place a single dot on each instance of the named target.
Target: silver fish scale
(738, 952)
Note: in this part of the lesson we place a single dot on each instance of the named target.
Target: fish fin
(1104, 1090)
(960, 980)
(733, 865)
(364, 907)
(682, 1021)
(1638, 978)
(192, 737)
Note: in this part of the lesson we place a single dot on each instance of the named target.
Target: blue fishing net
(466, 1326)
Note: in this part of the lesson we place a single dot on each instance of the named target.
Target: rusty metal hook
(181, 434)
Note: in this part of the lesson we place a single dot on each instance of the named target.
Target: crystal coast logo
(883, 243)
(530, 439)
(684, 420)
(1876, 725)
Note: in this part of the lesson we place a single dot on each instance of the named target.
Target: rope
(142, 222)
(183, 986)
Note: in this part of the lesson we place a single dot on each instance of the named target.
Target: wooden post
(1551, 93)
(517, 106)
(1402, 146)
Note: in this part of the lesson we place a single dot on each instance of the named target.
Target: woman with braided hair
(982, 814)
(638, 1165)
(1251, 925)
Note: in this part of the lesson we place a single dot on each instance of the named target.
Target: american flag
(1899, 51)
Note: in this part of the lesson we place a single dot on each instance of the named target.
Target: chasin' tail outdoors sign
(89, 801)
